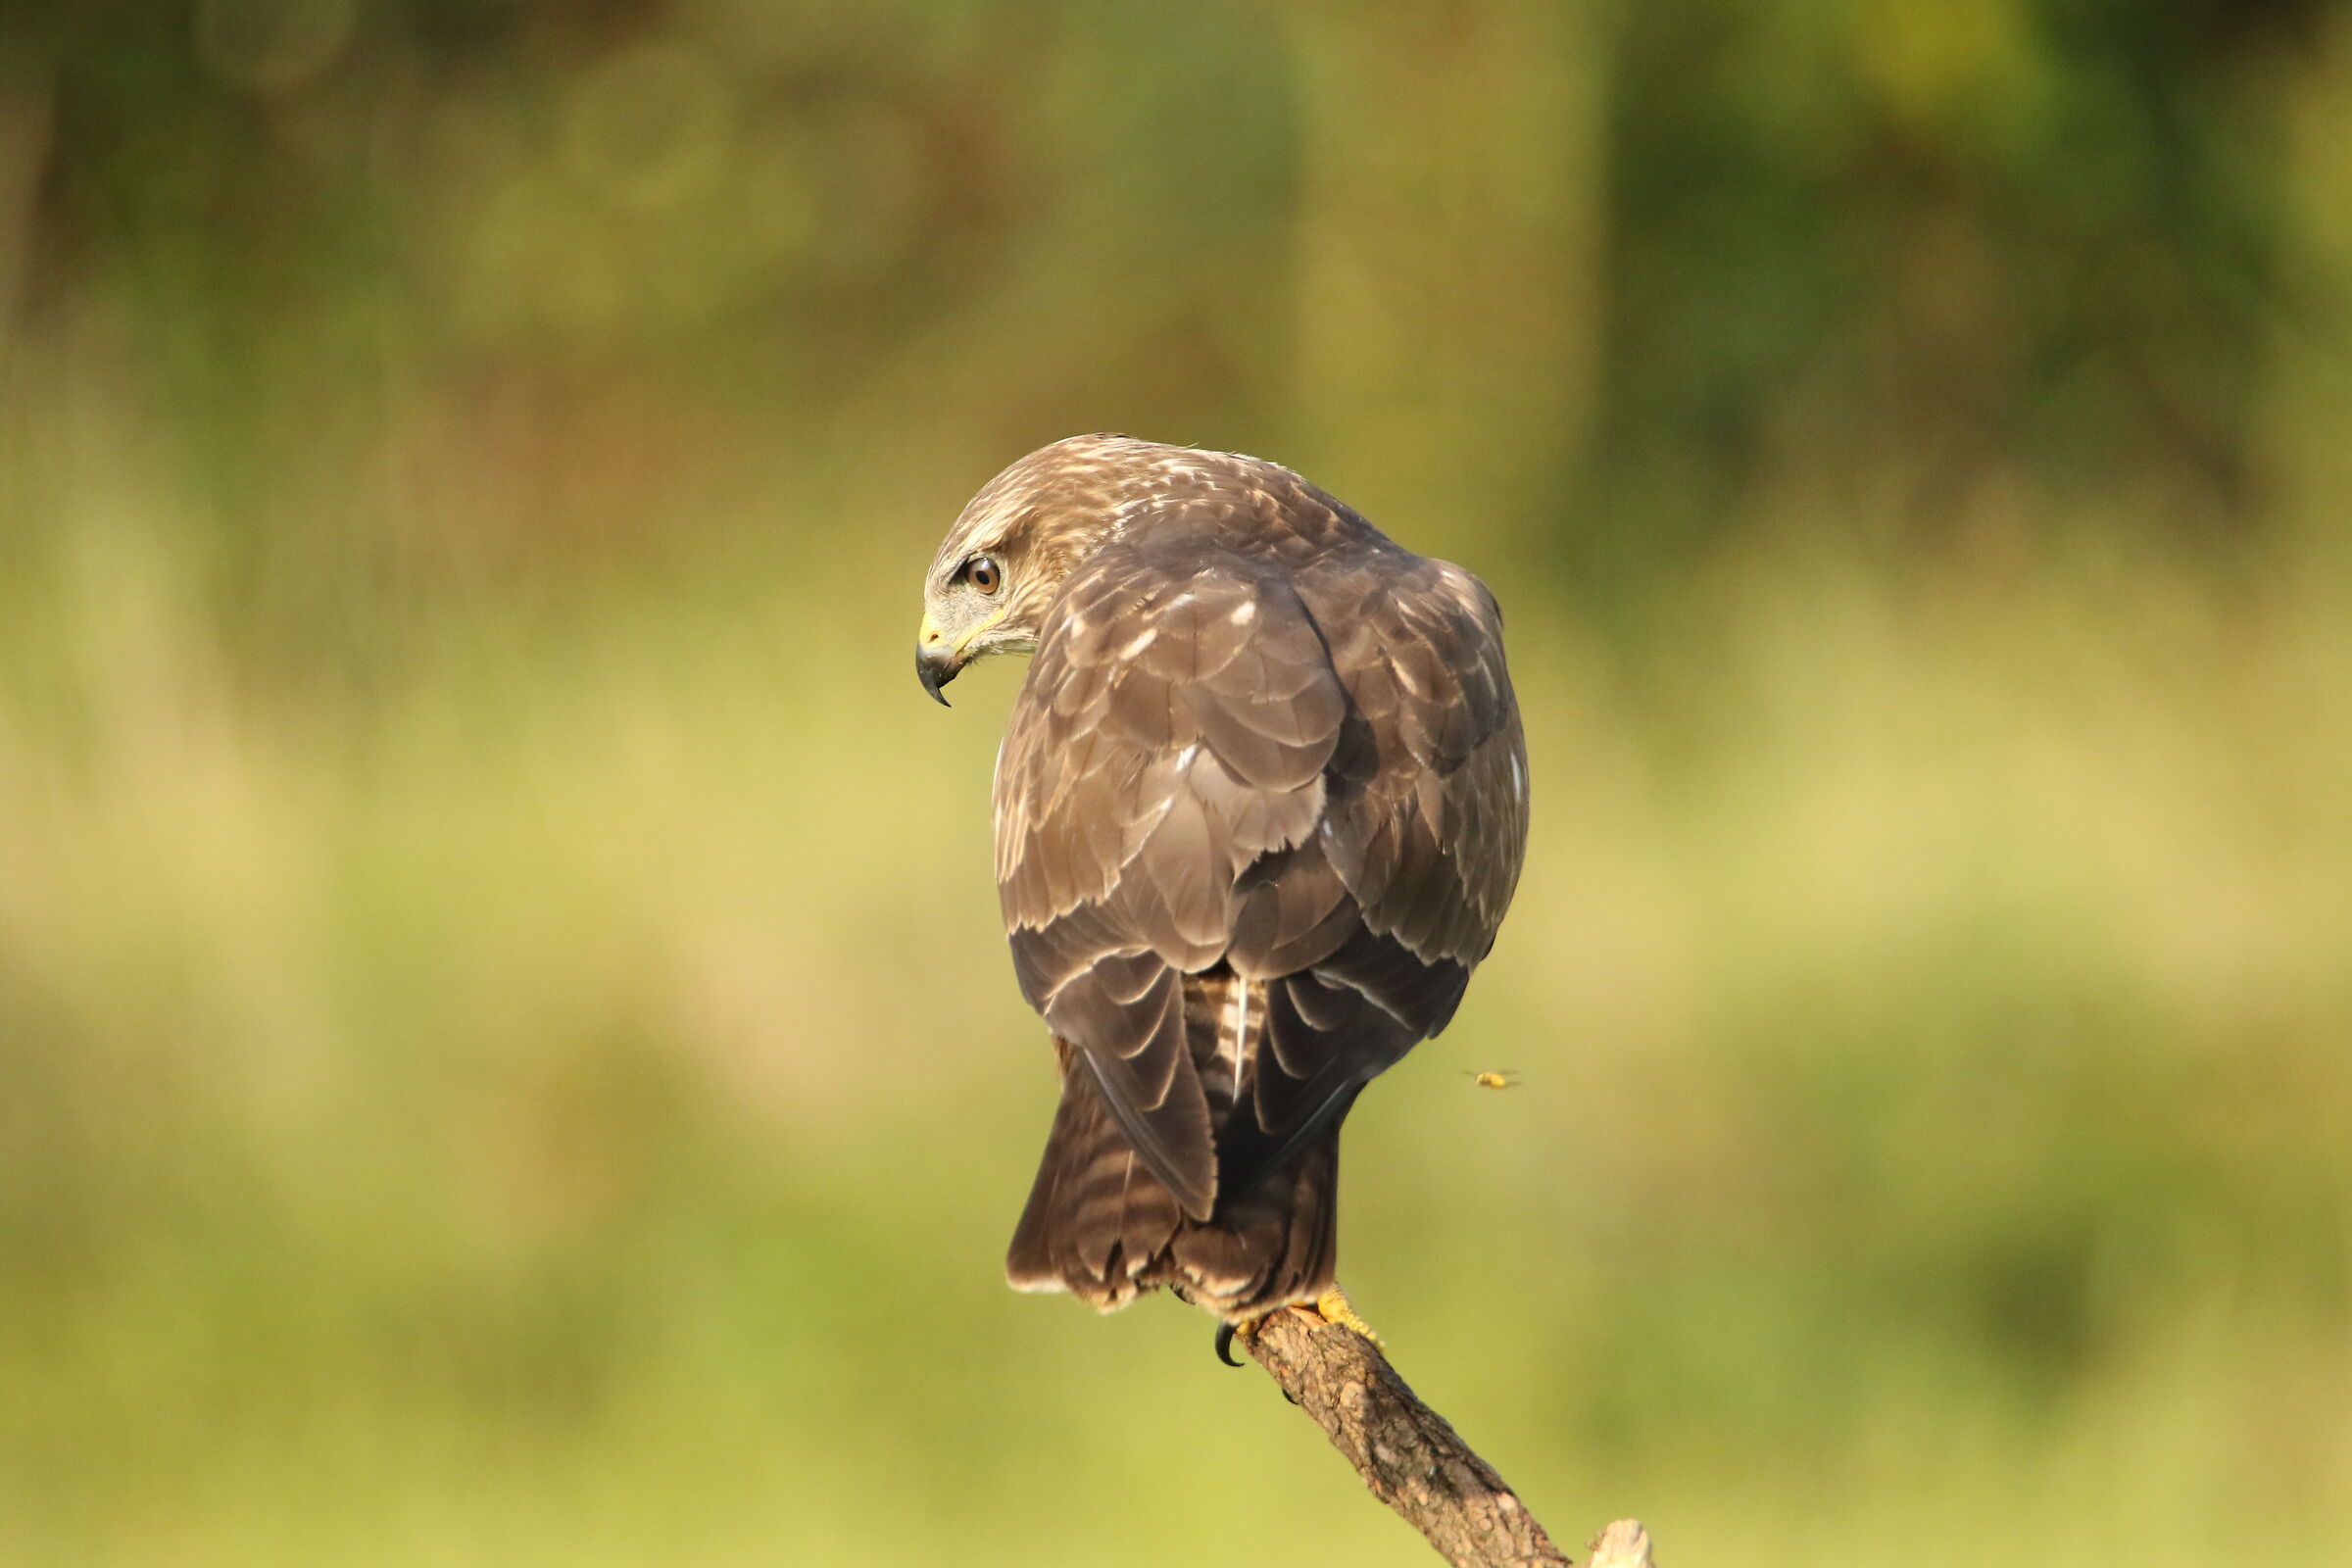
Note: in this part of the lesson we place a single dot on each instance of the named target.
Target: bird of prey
(1259, 808)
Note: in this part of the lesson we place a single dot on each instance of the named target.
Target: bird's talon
(1332, 1305)
(1225, 1333)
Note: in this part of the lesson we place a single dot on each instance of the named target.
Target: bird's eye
(984, 575)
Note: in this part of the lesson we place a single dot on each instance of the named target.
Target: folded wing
(1312, 777)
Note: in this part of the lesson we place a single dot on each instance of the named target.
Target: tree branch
(1410, 1458)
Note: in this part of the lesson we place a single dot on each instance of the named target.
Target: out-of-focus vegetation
(506, 1054)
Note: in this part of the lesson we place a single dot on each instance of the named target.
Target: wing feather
(1310, 774)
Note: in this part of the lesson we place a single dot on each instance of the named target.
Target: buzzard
(1259, 808)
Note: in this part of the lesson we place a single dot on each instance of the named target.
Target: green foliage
(506, 1051)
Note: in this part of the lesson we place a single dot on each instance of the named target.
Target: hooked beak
(935, 668)
(935, 660)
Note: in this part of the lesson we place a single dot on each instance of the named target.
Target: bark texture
(1409, 1456)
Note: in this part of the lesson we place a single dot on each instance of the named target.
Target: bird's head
(1005, 563)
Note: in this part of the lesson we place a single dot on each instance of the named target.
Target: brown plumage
(1261, 806)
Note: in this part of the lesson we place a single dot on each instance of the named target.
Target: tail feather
(1100, 1225)
(1272, 1247)
(1097, 1215)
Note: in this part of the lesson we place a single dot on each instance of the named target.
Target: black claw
(1225, 1344)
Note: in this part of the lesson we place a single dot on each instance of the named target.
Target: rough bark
(1409, 1456)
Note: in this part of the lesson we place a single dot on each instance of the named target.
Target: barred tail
(1100, 1225)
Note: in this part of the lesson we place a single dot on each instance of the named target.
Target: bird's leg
(1334, 1307)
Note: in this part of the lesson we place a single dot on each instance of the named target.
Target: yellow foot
(1333, 1304)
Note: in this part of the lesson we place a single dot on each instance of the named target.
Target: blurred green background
(505, 1049)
